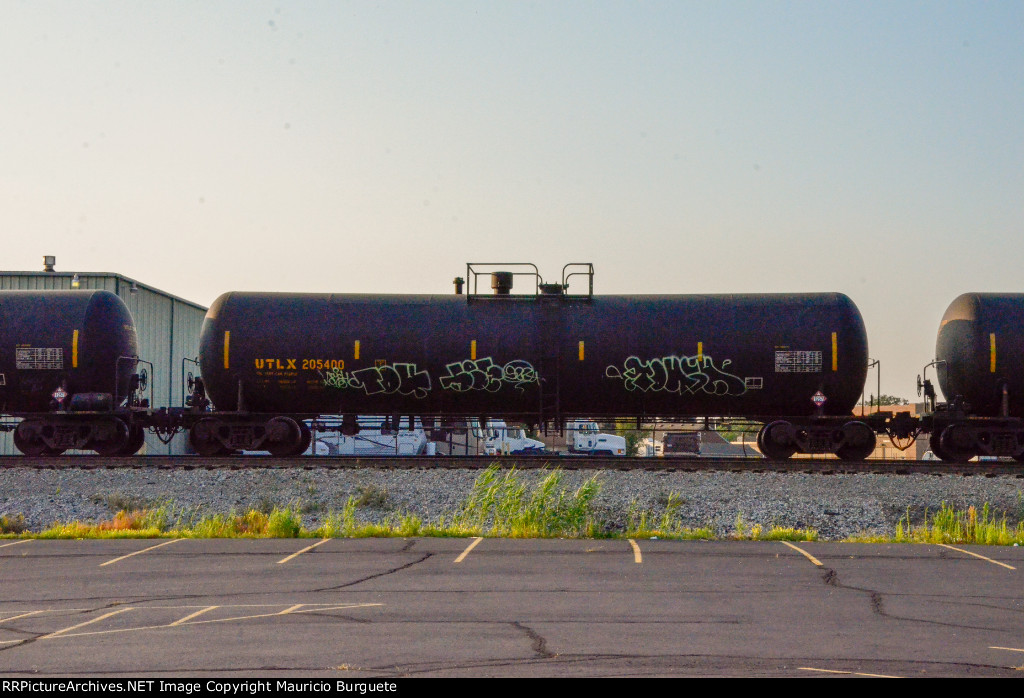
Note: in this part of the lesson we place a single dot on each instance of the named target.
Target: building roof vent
(48, 261)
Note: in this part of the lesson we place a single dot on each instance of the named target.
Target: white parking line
(139, 552)
(849, 673)
(62, 634)
(476, 541)
(802, 552)
(637, 558)
(1008, 649)
(17, 542)
(82, 625)
(304, 550)
(193, 615)
(23, 615)
(982, 557)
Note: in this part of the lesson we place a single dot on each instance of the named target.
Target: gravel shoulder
(837, 506)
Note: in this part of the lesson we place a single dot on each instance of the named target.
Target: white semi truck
(583, 436)
(499, 439)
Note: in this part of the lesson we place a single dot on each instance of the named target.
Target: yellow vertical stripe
(581, 350)
(472, 350)
(74, 349)
(357, 349)
(700, 351)
(835, 352)
(992, 346)
(227, 343)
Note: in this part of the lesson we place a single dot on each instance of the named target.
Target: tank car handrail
(589, 273)
(186, 378)
(472, 274)
(149, 383)
(924, 384)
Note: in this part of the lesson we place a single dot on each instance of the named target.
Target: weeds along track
(822, 466)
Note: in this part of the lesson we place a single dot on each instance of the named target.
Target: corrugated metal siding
(168, 329)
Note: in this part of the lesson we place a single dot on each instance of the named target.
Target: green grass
(501, 505)
(13, 524)
(743, 531)
(143, 523)
(950, 525)
(641, 523)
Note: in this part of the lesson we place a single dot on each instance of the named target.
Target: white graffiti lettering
(337, 378)
(403, 379)
(484, 374)
(678, 374)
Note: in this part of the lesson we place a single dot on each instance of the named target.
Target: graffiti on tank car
(401, 379)
(519, 373)
(678, 374)
(484, 374)
(479, 374)
(341, 379)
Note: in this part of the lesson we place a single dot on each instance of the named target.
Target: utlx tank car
(795, 361)
(67, 370)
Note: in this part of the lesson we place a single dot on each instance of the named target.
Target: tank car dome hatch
(501, 282)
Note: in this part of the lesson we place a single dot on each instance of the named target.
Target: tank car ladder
(550, 342)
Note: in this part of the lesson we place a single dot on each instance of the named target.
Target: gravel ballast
(837, 506)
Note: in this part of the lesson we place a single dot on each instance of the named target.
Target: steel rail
(821, 466)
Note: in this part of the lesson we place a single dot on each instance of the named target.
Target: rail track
(817, 466)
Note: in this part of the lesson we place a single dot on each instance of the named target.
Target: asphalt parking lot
(349, 608)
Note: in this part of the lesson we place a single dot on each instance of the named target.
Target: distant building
(168, 329)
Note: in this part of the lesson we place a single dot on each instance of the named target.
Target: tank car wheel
(772, 440)
(954, 445)
(203, 439)
(284, 436)
(936, 449)
(136, 437)
(307, 438)
(115, 442)
(28, 441)
(858, 442)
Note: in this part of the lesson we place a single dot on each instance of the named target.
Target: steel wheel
(772, 440)
(307, 438)
(284, 436)
(136, 438)
(858, 442)
(28, 441)
(114, 440)
(954, 445)
(203, 438)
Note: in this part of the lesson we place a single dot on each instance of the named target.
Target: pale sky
(871, 148)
